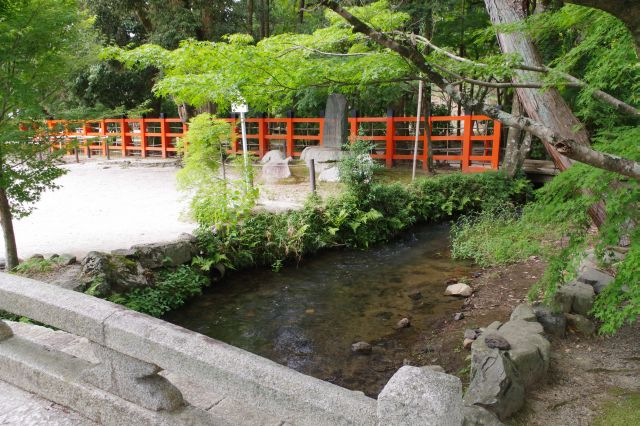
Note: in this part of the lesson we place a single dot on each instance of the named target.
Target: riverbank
(592, 380)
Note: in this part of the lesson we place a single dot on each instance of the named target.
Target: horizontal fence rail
(473, 141)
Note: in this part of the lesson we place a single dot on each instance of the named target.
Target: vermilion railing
(473, 141)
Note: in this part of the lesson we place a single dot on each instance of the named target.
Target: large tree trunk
(545, 106)
(509, 164)
(6, 220)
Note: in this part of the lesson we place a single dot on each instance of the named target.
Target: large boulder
(166, 254)
(274, 154)
(478, 416)
(553, 322)
(530, 351)
(595, 278)
(523, 312)
(575, 297)
(103, 274)
(421, 396)
(332, 174)
(580, 324)
(323, 157)
(495, 382)
(276, 169)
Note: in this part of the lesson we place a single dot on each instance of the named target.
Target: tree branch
(566, 146)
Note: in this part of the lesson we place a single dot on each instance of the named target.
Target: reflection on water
(308, 317)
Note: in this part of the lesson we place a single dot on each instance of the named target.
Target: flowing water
(307, 317)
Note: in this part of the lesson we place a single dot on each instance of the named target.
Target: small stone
(471, 334)
(458, 316)
(466, 343)
(459, 289)
(403, 323)
(54, 256)
(451, 281)
(595, 278)
(67, 259)
(36, 256)
(476, 274)
(496, 341)
(5, 331)
(435, 368)
(361, 348)
(415, 295)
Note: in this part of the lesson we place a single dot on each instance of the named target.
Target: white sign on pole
(243, 108)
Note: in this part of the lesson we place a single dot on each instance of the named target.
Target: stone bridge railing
(143, 363)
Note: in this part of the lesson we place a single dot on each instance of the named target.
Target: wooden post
(353, 126)
(143, 138)
(262, 140)
(495, 150)
(390, 133)
(466, 142)
(234, 134)
(123, 136)
(290, 132)
(312, 175)
(103, 137)
(163, 135)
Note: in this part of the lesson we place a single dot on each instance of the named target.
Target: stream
(307, 317)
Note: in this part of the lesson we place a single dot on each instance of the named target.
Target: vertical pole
(123, 135)
(466, 142)
(312, 175)
(495, 150)
(87, 147)
(289, 137)
(103, 137)
(262, 140)
(321, 131)
(245, 149)
(415, 145)
(389, 139)
(143, 138)
(163, 135)
(353, 126)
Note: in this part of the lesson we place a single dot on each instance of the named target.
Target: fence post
(123, 135)
(495, 150)
(87, 144)
(466, 142)
(262, 140)
(390, 133)
(163, 134)
(312, 175)
(143, 138)
(290, 132)
(353, 122)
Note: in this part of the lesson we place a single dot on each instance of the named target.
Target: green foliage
(171, 291)
(557, 225)
(217, 201)
(357, 167)
(386, 210)
(36, 266)
(499, 237)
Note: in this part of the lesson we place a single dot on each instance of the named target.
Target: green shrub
(359, 219)
(36, 266)
(172, 290)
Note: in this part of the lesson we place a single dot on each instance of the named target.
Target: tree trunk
(513, 139)
(545, 106)
(6, 220)
(250, 17)
(301, 12)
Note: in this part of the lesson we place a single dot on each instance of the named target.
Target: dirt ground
(587, 374)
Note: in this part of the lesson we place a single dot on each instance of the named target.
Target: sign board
(241, 108)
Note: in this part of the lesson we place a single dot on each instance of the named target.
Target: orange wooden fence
(471, 141)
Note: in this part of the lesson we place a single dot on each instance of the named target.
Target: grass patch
(36, 266)
(622, 411)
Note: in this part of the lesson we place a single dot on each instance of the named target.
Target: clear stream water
(307, 317)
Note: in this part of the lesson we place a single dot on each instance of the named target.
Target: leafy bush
(358, 220)
(172, 290)
(560, 213)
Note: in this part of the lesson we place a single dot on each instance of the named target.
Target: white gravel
(103, 207)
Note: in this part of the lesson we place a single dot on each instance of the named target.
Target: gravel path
(103, 206)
